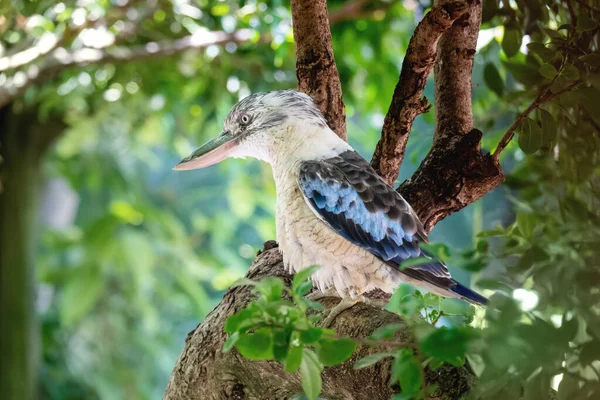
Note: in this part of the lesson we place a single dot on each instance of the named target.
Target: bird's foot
(319, 295)
(342, 306)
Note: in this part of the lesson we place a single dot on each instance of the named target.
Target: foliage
(147, 253)
(278, 326)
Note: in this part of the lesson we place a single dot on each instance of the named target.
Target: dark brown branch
(453, 85)
(455, 173)
(316, 71)
(407, 102)
(60, 59)
(203, 371)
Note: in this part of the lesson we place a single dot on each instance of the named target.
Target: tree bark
(316, 71)
(22, 142)
(454, 173)
(406, 102)
(204, 372)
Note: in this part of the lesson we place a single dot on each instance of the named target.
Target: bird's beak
(209, 153)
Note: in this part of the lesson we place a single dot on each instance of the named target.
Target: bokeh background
(132, 255)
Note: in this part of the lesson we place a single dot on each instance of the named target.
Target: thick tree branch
(203, 371)
(453, 85)
(61, 59)
(316, 71)
(407, 102)
(455, 173)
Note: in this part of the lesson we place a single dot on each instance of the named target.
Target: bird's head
(259, 126)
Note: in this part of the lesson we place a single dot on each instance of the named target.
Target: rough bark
(22, 143)
(203, 371)
(316, 71)
(453, 85)
(407, 102)
(455, 172)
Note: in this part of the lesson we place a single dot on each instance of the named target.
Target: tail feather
(469, 295)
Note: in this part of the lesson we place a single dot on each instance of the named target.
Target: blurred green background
(132, 255)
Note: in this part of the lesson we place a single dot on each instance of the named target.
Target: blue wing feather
(354, 201)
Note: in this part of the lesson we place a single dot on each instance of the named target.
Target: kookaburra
(333, 210)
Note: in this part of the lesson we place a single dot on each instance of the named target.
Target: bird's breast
(306, 240)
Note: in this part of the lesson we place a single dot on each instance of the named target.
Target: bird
(332, 208)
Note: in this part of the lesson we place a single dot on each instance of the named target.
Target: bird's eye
(244, 119)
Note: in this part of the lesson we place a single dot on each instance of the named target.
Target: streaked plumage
(332, 208)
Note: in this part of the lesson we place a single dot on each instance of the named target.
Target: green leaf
(492, 79)
(548, 71)
(593, 59)
(537, 387)
(311, 335)
(386, 331)
(407, 370)
(549, 128)
(257, 345)
(526, 223)
(371, 359)
(526, 74)
(413, 261)
(570, 73)
(568, 388)
(293, 360)
(80, 294)
(310, 372)
(238, 321)
(230, 342)
(530, 136)
(303, 275)
(541, 50)
(585, 23)
(335, 351)
(271, 288)
(281, 344)
(511, 41)
(303, 288)
(448, 344)
(590, 352)
(243, 282)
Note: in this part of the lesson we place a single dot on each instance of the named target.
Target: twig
(406, 102)
(543, 96)
(440, 315)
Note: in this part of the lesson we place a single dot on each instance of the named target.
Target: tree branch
(454, 173)
(407, 102)
(316, 71)
(453, 73)
(61, 59)
(544, 96)
(203, 371)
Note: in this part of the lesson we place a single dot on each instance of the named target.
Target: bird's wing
(349, 196)
(352, 199)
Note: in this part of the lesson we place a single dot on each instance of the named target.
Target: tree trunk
(204, 372)
(22, 143)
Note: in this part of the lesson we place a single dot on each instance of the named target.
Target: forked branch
(407, 102)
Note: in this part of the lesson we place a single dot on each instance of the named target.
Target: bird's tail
(469, 295)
